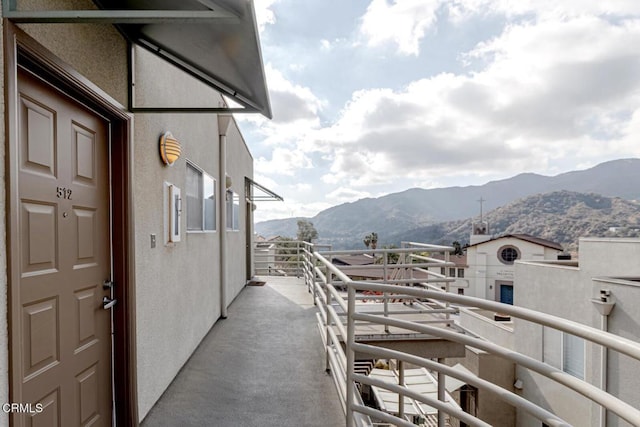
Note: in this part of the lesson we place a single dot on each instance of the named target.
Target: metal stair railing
(324, 281)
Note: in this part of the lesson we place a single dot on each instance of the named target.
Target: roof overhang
(215, 41)
(260, 193)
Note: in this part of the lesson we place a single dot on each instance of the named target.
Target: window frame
(232, 206)
(504, 248)
(559, 339)
(203, 177)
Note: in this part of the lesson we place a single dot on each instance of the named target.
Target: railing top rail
(623, 345)
(429, 246)
(378, 251)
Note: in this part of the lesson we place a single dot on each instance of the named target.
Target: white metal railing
(406, 275)
(340, 314)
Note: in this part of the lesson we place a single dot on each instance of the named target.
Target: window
(461, 272)
(563, 351)
(233, 211)
(452, 272)
(508, 254)
(442, 270)
(460, 291)
(201, 202)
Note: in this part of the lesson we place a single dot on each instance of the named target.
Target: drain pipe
(223, 125)
(604, 305)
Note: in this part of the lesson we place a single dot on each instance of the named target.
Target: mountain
(561, 216)
(345, 225)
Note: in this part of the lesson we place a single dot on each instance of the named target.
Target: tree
(457, 248)
(306, 231)
(367, 240)
(374, 240)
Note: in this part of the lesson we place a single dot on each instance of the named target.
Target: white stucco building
(99, 231)
(490, 271)
(602, 290)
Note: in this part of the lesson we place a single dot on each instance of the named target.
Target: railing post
(447, 258)
(351, 329)
(385, 294)
(298, 260)
(327, 323)
(441, 381)
(401, 383)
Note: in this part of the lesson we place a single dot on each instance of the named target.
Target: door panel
(62, 185)
(506, 294)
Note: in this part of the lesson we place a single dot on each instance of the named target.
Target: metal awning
(259, 193)
(215, 41)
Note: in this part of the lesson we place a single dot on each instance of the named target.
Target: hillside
(345, 225)
(561, 216)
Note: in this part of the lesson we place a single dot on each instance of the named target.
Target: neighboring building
(94, 216)
(607, 277)
(491, 268)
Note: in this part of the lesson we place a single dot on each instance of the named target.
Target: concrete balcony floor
(262, 366)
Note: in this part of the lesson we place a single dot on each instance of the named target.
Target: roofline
(532, 239)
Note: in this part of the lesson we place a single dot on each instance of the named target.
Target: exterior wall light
(170, 148)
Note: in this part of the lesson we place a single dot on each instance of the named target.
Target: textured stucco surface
(239, 166)
(485, 268)
(96, 51)
(177, 286)
(567, 292)
(4, 328)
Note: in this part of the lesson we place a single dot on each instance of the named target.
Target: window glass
(233, 210)
(201, 200)
(209, 202)
(508, 254)
(461, 272)
(573, 355)
(194, 198)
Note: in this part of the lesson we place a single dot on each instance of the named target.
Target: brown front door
(61, 343)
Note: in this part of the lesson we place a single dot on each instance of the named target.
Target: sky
(372, 97)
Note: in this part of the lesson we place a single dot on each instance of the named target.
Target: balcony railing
(411, 302)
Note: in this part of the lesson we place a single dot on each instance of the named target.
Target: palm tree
(367, 240)
(374, 240)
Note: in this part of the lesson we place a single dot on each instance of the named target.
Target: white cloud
(264, 14)
(550, 89)
(557, 86)
(345, 194)
(283, 162)
(290, 208)
(403, 23)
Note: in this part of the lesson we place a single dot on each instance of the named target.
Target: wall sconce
(518, 385)
(170, 148)
(227, 181)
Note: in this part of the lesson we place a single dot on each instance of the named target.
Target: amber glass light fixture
(170, 148)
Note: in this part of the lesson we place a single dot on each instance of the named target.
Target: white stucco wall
(551, 289)
(177, 286)
(4, 327)
(622, 380)
(239, 166)
(485, 267)
(567, 292)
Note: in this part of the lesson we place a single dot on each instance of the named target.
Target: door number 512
(63, 193)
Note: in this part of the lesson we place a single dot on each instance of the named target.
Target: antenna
(481, 201)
